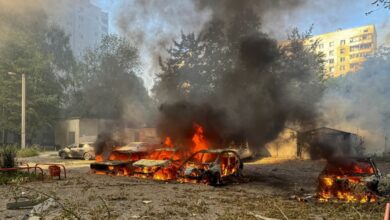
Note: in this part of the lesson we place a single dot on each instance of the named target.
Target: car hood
(150, 163)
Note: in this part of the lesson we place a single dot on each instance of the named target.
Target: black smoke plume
(251, 102)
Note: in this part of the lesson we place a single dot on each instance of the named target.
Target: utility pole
(23, 127)
(23, 122)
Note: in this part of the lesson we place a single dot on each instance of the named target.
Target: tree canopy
(30, 45)
(108, 85)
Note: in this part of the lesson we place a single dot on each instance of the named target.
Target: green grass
(16, 177)
(28, 152)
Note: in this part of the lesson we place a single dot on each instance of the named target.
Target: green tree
(29, 45)
(109, 86)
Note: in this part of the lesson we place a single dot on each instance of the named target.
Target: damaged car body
(350, 180)
(160, 164)
(211, 167)
(119, 161)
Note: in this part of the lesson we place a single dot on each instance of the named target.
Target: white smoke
(359, 102)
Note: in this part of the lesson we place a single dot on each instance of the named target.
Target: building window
(331, 61)
(355, 39)
(342, 68)
(342, 59)
(365, 46)
(342, 50)
(331, 52)
(342, 42)
(354, 48)
(365, 30)
(331, 44)
(331, 69)
(321, 46)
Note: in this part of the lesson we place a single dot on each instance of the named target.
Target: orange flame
(198, 139)
(168, 142)
(330, 190)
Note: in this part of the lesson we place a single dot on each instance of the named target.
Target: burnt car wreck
(211, 167)
(119, 162)
(160, 164)
(349, 179)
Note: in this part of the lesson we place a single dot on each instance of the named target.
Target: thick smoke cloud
(253, 101)
(359, 102)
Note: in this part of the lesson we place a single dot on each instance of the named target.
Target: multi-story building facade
(345, 50)
(84, 22)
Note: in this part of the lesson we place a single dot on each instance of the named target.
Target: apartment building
(84, 22)
(345, 50)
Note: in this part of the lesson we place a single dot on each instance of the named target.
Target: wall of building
(64, 131)
(87, 130)
(285, 146)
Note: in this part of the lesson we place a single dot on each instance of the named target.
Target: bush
(28, 152)
(7, 156)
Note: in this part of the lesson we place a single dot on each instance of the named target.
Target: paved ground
(265, 191)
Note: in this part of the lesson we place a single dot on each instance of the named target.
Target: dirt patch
(265, 191)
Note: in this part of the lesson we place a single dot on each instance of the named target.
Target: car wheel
(63, 155)
(215, 179)
(87, 156)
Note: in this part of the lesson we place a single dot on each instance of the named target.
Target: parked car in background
(84, 151)
(211, 166)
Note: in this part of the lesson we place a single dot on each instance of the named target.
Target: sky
(325, 16)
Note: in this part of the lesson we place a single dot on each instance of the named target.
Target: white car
(84, 151)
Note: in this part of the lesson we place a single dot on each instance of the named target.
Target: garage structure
(79, 130)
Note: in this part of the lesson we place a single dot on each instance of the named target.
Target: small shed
(325, 141)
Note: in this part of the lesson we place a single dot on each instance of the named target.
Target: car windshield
(205, 157)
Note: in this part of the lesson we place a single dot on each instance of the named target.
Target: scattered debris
(303, 198)
(24, 202)
(42, 207)
(146, 201)
(261, 217)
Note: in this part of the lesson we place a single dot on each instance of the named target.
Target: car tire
(87, 156)
(216, 179)
(63, 155)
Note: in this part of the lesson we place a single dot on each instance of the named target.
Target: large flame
(198, 139)
(168, 142)
(168, 172)
(346, 183)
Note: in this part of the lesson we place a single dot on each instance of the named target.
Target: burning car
(211, 166)
(120, 159)
(350, 180)
(160, 164)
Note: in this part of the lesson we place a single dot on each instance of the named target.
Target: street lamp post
(23, 122)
